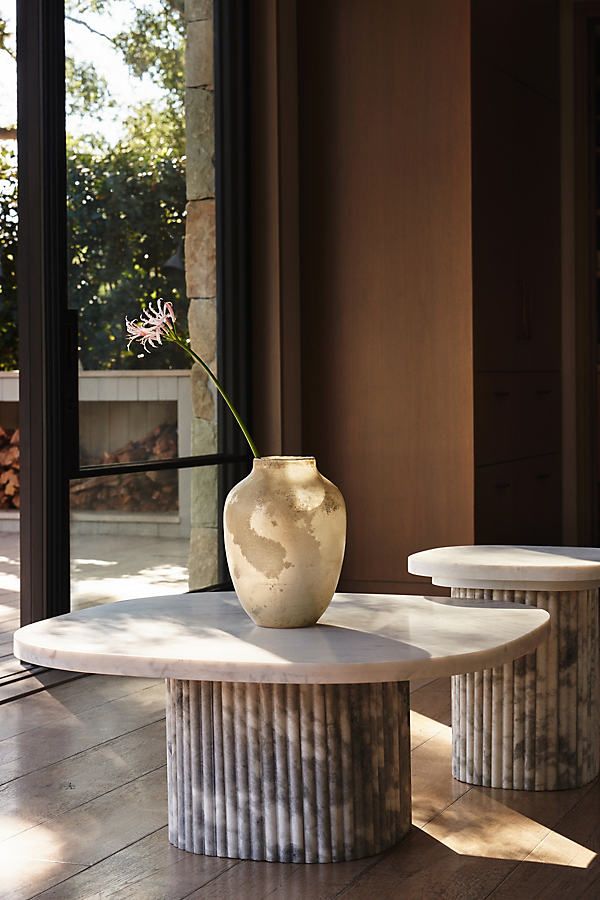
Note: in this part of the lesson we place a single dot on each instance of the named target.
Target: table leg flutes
(533, 724)
(288, 772)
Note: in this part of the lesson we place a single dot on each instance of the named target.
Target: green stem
(181, 343)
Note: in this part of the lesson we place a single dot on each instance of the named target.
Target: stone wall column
(200, 272)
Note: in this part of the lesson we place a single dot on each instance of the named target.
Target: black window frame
(48, 380)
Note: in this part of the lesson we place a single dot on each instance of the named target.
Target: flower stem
(181, 343)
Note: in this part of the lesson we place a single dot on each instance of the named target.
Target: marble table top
(510, 567)
(361, 638)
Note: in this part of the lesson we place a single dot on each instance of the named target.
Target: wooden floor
(83, 815)
(19, 679)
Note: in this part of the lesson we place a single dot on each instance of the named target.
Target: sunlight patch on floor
(559, 850)
(108, 568)
(468, 819)
(111, 590)
(167, 573)
(9, 581)
(422, 728)
(92, 562)
(21, 867)
(479, 825)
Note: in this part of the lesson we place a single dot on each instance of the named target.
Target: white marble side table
(533, 724)
(285, 745)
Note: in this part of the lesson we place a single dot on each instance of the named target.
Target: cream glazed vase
(285, 534)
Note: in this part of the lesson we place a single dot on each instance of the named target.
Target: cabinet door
(538, 325)
(517, 415)
(495, 214)
(521, 37)
(516, 225)
(519, 502)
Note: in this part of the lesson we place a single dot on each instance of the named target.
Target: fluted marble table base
(304, 773)
(533, 724)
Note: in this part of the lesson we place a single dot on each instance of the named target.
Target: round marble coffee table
(285, 745)
(533, 724)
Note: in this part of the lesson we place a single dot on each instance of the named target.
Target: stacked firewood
(160, 443)
(9, 468)
(140, 492)
(144, 492)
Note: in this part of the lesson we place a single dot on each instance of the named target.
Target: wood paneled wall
(276, 395)
(385, 273)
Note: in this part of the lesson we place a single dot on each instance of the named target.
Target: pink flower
(152, 326)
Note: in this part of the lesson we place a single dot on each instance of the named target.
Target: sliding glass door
(133, 191)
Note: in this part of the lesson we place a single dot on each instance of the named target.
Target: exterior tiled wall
(200, 261)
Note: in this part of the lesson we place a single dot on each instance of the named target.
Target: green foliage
(87, 92)
(154, 46)
(156, 132)
(6, 38)
(125, 215)
(125, 219)
(126, 203)
(8, 257)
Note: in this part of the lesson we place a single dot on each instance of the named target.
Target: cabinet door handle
(501, 485)
(544, 392)
(501, 393)
(542, 476)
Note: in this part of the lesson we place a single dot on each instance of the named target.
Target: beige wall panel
(385, 261)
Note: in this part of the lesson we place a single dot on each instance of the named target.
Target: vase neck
(293, 466)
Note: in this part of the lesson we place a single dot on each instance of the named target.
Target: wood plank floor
(20, 679)
(83, 815)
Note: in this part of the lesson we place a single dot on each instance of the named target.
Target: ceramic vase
(285, 534)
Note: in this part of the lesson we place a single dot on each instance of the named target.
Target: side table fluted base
(288, 772)
(533, 724)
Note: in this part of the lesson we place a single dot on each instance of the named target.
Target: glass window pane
(141, 214)
(124, 431)
(143, 534)
(9, 377)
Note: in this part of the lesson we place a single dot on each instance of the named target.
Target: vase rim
(278, 460)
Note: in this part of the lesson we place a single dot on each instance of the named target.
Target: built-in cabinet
(516, 272)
